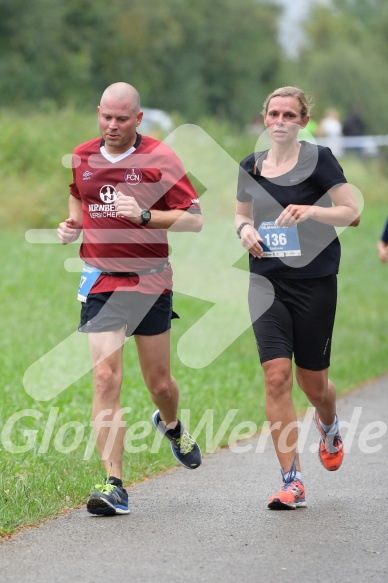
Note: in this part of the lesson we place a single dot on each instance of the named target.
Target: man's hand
(382, 251)
(69, 231)
(126, 206)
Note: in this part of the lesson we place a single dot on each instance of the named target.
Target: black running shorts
(143, 314)
(299, 320)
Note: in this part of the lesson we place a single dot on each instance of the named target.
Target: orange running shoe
(290, 496)
(331, 454)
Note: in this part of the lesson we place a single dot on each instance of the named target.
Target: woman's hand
(251, 240)
(293, 214)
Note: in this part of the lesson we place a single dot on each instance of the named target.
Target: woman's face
(283, 119)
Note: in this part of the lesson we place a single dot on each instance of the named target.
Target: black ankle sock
(115, 481)
(176, 431)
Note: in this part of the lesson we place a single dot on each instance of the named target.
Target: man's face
(118, 122)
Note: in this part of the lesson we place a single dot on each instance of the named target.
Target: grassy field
(47, 462)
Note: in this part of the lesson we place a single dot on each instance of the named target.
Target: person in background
(382, 245)
(354, 126)
(330, 128)
(128, 190)
(290, 198)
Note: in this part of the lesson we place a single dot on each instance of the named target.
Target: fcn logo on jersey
(133, 176)
(108, 194)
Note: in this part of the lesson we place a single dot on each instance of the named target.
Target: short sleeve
(328, 172)
(245, 179)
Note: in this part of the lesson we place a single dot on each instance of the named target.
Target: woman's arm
(249, 236)
(344, 213)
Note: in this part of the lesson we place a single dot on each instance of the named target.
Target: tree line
(215, 58)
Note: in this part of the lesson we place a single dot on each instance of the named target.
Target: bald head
(119, 115)
(123, 92)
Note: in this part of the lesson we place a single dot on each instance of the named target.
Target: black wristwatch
(145, 217)
(240, 229)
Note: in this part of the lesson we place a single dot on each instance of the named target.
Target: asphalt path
(212, 525)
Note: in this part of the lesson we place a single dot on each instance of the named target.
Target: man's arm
(382, 246)
(173, 220)
(69, 230)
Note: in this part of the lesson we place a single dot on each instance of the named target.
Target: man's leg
(106, 350)
(154, 358)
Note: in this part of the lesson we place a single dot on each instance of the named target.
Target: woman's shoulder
(316, 149)
(248, 163)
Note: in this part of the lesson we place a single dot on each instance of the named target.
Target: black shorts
(299, 322)
(143, 314)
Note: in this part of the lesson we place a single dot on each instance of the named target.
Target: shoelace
(186, 443)
(106, 487)
(287, 485)
(291, 473)
(333, 446)
(332, 439)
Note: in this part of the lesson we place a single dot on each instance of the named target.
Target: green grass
(39, 311)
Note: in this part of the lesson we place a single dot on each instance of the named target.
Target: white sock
(295, 476)
(331, 431)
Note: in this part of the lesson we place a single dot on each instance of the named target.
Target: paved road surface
(212, 525)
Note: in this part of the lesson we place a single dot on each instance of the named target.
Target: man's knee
(159, 386)
(107, 382)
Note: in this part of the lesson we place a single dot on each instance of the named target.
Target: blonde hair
(306, 103)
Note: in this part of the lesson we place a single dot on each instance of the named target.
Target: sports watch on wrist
(145, 217)
(240, 229)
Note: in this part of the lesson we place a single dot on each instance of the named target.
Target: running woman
(290, 199)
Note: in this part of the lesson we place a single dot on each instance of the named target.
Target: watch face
(145, 217)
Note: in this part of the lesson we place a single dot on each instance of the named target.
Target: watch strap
(240, 228)
(145, 217)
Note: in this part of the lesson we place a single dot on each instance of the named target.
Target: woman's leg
(280, 411)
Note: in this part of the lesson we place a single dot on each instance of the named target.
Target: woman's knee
(315, 385)
(278, 378)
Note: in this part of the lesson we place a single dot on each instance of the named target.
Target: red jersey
(155, 177)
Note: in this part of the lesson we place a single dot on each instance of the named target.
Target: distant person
(354, 126)
(382, 245)
(128, 190)
(330, 127)
(290, 198)
(256, 126)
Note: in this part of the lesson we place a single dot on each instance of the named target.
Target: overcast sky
(294, 13)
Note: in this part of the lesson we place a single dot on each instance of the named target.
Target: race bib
(89, 276)
(279, 241)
